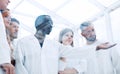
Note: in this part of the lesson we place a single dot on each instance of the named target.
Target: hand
(8, 68)
(63, 59)
(70, 71)
(61, 72)
(106, 45)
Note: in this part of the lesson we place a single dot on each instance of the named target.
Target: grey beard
(91, 39)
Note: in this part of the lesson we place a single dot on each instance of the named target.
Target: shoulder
(26, 39)
(52, 41)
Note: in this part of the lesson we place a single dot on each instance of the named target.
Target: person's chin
(15, 36)
(48, 33)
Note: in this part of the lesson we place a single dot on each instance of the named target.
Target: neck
(11, 39)
(40, 39)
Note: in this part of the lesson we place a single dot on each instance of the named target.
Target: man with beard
(14, 26)
(102, 61)
(13, 33)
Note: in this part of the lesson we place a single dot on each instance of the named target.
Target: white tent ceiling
(69, 13)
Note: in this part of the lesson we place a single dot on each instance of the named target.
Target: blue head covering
(42, 21)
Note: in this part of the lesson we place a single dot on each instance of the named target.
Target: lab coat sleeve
(81, 67)
(20, 58)
(116, 58)
(78, 52)
(62, 65)
(4, 47)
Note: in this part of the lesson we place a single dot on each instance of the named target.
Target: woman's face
(4, 4)
(6, 18)
(7, 21)
(67, 38)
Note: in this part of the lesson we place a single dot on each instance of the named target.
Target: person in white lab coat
(13, 33)
(7, 19)
(70, 66)
(36, 54)
(73, 59)
(102, 61)
(5, 66)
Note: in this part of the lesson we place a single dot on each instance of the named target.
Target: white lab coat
(92, 65)
(4, 47)
(107, 60)
(88, 53)
(79, 64)
(117, 62)
(13, 44)
(115, 57)
(98, 62)
(32, 59)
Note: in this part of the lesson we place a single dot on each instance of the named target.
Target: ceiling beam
(13, 9)
(109, 9)
(58, 18)
(62, 5)
(97, 4)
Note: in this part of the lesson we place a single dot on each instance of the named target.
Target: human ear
(82, 34)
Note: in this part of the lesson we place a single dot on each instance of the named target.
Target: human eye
(72, 36)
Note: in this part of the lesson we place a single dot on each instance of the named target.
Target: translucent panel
(100, 28)
(22, 33)
(51, 4)
(27, 8)
(28, 22)
(107, 2)
(78, 10)
(14, 3)
(115, 21)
